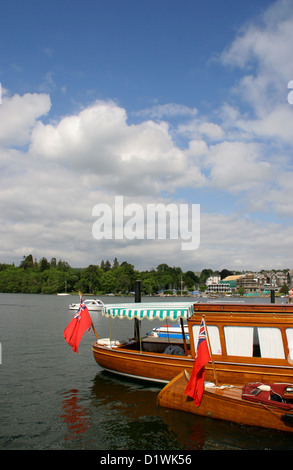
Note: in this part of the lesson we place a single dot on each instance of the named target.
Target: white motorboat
(169, 331)
(95, 305)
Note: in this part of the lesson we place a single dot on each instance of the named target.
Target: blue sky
(135, 52)
(158, 101)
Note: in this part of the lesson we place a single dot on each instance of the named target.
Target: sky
(179, 103)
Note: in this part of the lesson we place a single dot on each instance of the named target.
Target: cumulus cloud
(167, 110)
(263, 51)
(237, 166)
(136, 158)
(18, 115)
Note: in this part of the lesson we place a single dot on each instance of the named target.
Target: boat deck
(157, 344)
(159, 339)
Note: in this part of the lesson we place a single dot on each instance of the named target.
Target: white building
(213, 280)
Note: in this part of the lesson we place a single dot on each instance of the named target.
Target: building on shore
(251, 283)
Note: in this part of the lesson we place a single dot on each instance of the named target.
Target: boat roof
(243, 308)
(151, 310)
(248, 313)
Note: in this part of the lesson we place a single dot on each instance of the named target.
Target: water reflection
(128, 414)
(129, 396)
(74, 415)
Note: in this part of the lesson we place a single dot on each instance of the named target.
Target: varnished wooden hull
(163, 368)
(224, 404)
(141, 365)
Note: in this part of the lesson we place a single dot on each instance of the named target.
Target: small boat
(150, 358)
(91, 304)
(169, 331)
(255, 404)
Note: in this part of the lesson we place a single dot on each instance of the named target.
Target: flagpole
(95, 331)
(214, 370)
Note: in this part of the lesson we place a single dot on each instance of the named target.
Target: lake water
(52, 398)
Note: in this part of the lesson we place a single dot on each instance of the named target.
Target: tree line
(50, 277)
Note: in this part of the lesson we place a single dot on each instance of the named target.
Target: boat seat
(268, 394)
(113, 344)
(175, 350)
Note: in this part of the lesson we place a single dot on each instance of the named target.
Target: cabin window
(254, 342)
(271, 343)
(214, 337)
(239, 340)
(289, 334)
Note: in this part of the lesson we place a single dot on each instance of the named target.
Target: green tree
(108, 282)
(190, 280)
(44, 264)
(148, 282)
(27, 262)
(168, 277)
(125, 277)
(90, 279)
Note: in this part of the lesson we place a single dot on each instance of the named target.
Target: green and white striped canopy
(161, 311)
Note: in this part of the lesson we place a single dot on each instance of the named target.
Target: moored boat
(255, 404)
(149, 358)
(95, 305)
(249, 342)
(169, 331)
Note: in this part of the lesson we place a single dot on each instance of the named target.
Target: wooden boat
(253, 404)
(149, 358)
(248, 342)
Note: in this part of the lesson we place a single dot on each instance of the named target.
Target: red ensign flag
(195, 386)
(77, 326)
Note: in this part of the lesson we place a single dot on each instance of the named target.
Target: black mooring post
(272, 296)
(137, 291)
(137, 298)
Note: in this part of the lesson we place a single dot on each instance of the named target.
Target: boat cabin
(254, 334)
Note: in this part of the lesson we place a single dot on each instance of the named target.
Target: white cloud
(211, 130)
(167, 110)
(137, 158)
(276, 124)
(237, 166)
(263, 50)
(197, 148)
(18, 115)
(244, 243)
